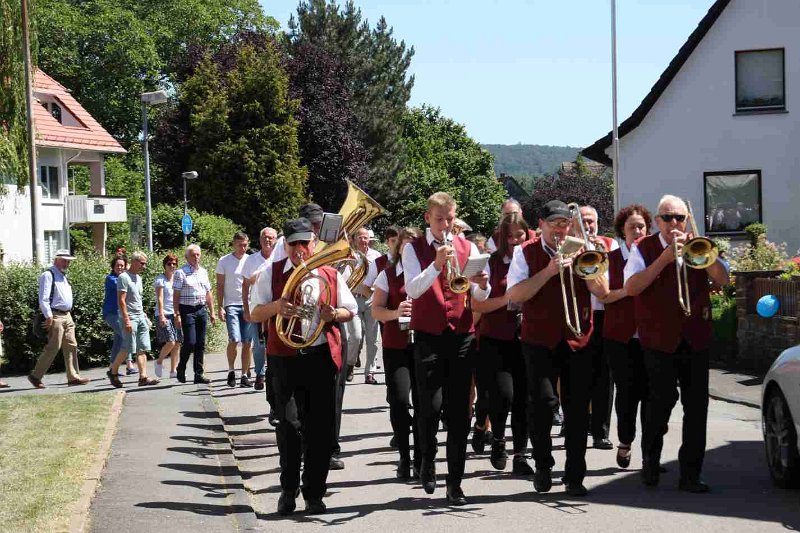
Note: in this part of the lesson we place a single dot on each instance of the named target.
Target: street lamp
(191, 175)
(152, 98)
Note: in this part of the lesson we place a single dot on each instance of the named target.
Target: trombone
(564, 249)
(589, 264)
(698, 253)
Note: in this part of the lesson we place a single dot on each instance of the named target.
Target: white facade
(693, 127)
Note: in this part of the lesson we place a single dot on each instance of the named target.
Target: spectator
(3, 384)
(192, 297)
(134, 321)
(231, 309)
(168, 335)
(363, 294)
(55, 303)
(479, 240)
(111, 310)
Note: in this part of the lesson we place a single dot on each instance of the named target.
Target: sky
(535, 71)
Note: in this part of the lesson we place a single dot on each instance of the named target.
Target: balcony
(83, 209)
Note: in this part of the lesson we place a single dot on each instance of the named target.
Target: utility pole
(36, 235)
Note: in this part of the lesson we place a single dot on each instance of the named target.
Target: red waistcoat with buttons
(620, 317)
(659, 318)
(381, 263)
(500, 323)
(439, 308)
(543, 320)
(393, 337)
(608, 242)
(274, 345)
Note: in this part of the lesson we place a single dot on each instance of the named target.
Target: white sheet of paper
(475, 265)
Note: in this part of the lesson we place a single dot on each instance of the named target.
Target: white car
(781, 418)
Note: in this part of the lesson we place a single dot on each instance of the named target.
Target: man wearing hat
(55, 303)
(303, 381)
(550, 349)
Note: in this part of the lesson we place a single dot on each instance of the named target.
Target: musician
(509, 207)
(442, 324)
(363, 294)
(390, 304)
(551, 350)
(501, 362)
(602, 387)
(621, 342)
(303, 380)
(675, 346)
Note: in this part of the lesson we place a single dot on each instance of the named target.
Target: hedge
(18, 298)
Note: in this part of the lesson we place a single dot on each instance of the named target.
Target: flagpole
(614, 131)
(36, 235)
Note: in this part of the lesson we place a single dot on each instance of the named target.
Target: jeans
(194, 319)
(259, 351)
(239, 329)
(119, 341)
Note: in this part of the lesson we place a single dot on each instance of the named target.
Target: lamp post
(152, 98)
(190, 175)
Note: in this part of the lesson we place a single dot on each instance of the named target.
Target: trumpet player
(555, 344)
(303, 380)
(675, 345)
(443, 329)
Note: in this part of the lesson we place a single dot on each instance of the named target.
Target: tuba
(699, 253)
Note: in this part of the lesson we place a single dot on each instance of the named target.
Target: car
(780, 410)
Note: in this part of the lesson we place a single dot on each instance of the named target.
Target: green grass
(46, 445)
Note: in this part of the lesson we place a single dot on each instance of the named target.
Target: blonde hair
(441, 199)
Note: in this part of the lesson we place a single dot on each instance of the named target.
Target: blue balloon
(768, 305)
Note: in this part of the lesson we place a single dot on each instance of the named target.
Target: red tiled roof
(50, 132)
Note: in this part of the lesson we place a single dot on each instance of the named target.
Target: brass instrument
(457, 281)
(590, 264)
(699, 253)
(562, 251)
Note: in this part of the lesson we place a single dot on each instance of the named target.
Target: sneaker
(231, 379)
(202, 380)
(245, 382)
(370, 380)
(350, 373)
(173, 375)
(259, 385)
(159, 369)
(131, 371)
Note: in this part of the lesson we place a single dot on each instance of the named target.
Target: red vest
(607, 242)
(381, 263)
(659, 318)
(620, 317)
(543, 320)
(332, 334)
(439, 308)
(500, 323)
(392, 336)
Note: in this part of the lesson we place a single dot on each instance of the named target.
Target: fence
(786, 291)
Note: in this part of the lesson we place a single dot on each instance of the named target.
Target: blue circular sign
(187, 224)
(767, 306)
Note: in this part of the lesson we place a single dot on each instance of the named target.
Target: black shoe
(576, 488)
(393, 442)
(415, 468)
(623, 459)
(231, 379)
(557, 418)
(349, 376)
(404, 469)
(259, 384)
(203, 380)
(602, 444)
(315, 506)
(520, 466)
(695, 486)
(650, 475)
(427, 475)
(455, 496)
(499, 457)
(478, 440)
(336, 464)
(273, 420)
(358, 362)
(181, 377)
(542, 482)
(245, 382)
(286, 503)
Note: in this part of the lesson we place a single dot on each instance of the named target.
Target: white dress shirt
(636, 263)
(372, 268)
(62, 292)
(418, 281)
(382, 282)
(596, 304)
(519, 271)
(262, 294)
(279, 251)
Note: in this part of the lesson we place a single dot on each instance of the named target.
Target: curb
(730, 399)
(79, 520)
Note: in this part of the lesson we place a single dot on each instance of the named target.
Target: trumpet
(698, 253)
(457, 281)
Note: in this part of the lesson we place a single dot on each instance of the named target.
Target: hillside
(529, 159)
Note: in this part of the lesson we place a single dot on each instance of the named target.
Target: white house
(66, 135)
(720, 127)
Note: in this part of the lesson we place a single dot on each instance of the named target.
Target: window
(48, 179)
(732, 200)
(760, 82)
(55, 110)
(52, 242)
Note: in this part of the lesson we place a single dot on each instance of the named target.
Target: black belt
(60, 312)
(191, 308)
(313, 349)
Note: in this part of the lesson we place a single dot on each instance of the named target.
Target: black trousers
(630, 379)
(543, 367)
(483, 375)
(194, 321)
(304, 389)
(442, 361)
(341, 381)
(602, 385)
(687, 369)
(400, 391)
(507, 384)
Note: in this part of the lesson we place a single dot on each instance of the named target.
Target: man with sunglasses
(675, 345)
(303, 381)
(551, 350)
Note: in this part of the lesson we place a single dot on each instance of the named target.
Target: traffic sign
(187, 224)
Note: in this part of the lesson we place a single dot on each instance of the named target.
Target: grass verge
(47, 443)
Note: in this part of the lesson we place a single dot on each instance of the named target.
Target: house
(590, 168)
(514, 189)
(720, 127)
(66, 136)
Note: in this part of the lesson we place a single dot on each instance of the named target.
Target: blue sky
(535, 71)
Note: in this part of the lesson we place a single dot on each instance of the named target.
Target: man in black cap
(303, 381)
(553, 350)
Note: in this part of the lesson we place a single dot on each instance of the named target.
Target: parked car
(780, 409)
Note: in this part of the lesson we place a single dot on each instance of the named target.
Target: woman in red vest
(551, 350)
(675, 345)
(502, 365)
(390, 305)
(621, 343)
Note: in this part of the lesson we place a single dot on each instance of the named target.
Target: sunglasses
(669, 217)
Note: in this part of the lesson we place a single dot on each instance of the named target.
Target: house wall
(693, 128)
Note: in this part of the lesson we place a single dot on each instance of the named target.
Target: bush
(211, 232)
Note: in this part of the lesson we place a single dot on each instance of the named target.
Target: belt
(60, 312)
(190, 308)
(313, 349)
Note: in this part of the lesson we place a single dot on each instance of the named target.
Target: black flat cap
(555, 209)
(313, 212)
(298, 229)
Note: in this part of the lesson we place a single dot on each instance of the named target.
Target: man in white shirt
(363, 294)
(230, 306)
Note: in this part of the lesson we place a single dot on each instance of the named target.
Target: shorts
(138, 339)
(168, 333)
(239, 329)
